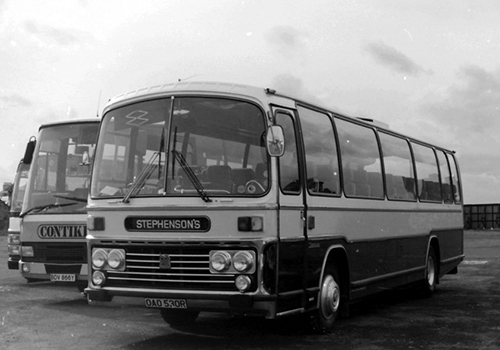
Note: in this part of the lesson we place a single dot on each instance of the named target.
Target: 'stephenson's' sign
(62, 231)
(167, 224)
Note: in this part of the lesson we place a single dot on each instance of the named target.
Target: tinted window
(429, 188)
(321, 152)
(444, 170)
(361, 164)
(399, 174)
(455, 179)
(289, 169)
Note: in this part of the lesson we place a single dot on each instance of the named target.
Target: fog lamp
(99, 257)
(243, 261)
(243, 283)
(220, 261)
(98, 278)
(116, 258)
(26, 268)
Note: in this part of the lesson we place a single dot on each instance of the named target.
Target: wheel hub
(330, 297)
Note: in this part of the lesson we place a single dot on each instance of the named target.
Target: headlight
(116, 259)
(108, 259)
(243, 261)
(232, 261)
(99, 257)
(13, 250)
(27, 252)
(13, 239)
(220, 261)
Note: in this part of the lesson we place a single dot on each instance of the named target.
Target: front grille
(58, 253)
(189, 269)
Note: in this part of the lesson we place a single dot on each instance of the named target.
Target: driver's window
(289, 168)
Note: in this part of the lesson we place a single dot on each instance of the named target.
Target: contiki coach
(16, 202)
(53, 226)
(228, 198)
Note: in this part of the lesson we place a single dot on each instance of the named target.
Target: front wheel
(177, 318)
(81, 286)
(323, 319)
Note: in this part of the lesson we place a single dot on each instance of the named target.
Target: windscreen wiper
(141, 178)
(41, 208)
(191, 175)
(71, 198)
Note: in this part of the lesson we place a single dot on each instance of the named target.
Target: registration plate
(62, 277)
(166, 303)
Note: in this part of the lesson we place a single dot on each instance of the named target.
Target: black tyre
(177, 318)
(323, 319)
(431, 274)
(81, 286)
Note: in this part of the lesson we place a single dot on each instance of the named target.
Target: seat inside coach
(219, 178)
(361, 183)
(325, 180)
(240, 178)
(224, 178)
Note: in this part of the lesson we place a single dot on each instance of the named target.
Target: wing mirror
(30, 148)
(275, 141)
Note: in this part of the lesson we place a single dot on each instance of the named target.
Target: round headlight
(220, 261)
(116, 258)
(99, 257)
(242, 261)
(243, 283)
(98, 278)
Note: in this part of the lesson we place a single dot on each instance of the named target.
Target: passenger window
(322, 166)
(289, 169)
(398, 165)
(361, 166)
(429, 188)
(444, 170)
(454, 178)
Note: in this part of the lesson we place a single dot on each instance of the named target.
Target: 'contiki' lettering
(62, 231)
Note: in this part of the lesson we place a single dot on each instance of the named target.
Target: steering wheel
(254, 187)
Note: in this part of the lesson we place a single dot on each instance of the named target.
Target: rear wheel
(431, 273)
(323, 319)
(176, 318)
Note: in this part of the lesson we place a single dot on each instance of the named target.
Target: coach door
(292, 214)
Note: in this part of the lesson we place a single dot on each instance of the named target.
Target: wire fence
(482, 216)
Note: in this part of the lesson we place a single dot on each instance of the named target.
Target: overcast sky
(429, 69)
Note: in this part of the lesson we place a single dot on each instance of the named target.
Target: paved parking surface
(463, 314)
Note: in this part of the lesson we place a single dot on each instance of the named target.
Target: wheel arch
(337, 254)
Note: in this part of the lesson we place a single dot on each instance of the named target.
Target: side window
(444, 171)
(289, 169)
(361, 165)
(455, 179)
(398, 164)
(429, 188)
(322, 166)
